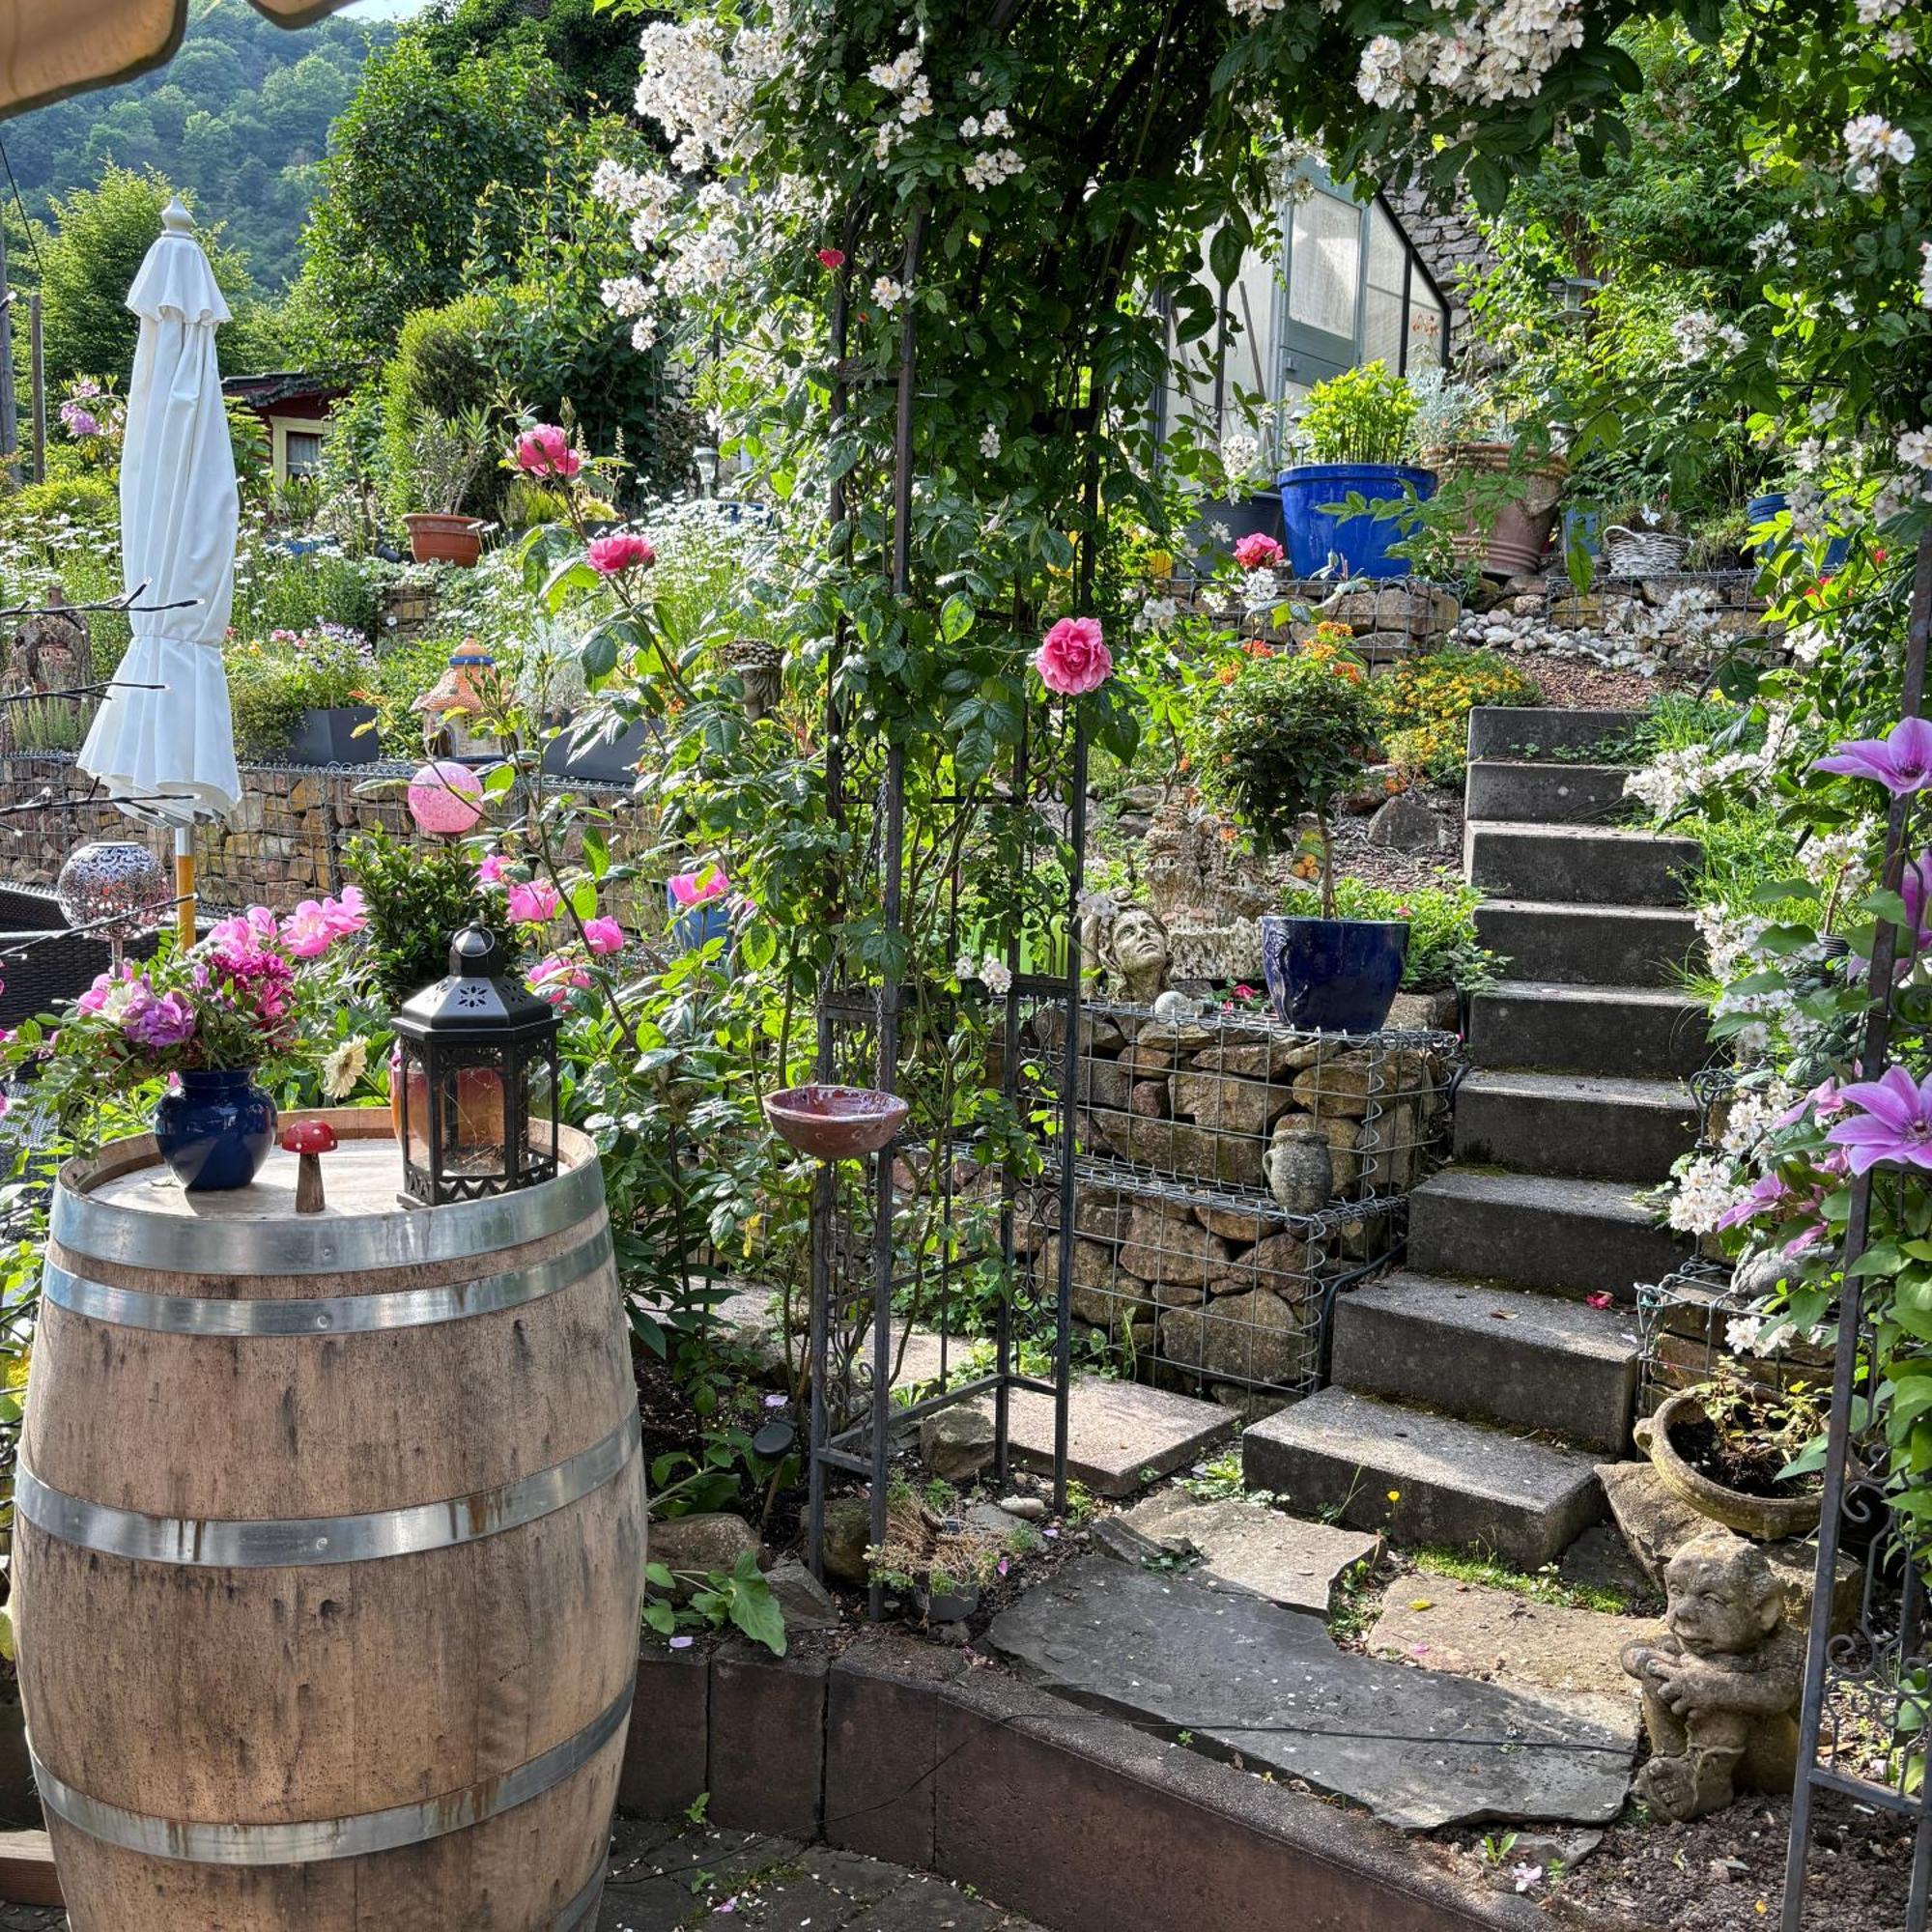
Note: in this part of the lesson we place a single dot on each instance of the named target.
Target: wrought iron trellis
(1870, 1684)
(860, 1443)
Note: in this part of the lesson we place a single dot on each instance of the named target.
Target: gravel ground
(1727, 1873)
(1573, 684)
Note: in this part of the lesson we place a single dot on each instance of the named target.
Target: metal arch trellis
(1872, 1682)
(854, 1436)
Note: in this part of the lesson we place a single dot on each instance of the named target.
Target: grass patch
(1542, 1586)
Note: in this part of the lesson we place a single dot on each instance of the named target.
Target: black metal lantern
(477, 1076)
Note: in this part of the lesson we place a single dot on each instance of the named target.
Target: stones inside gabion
(115, 888)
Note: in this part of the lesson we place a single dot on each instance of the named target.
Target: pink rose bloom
(1073, 657)
(621, 550)
(603, 935)
(833, 258)
(492, 869)
(309, 931)
(535, 903)
(554, 979)
(690, 888)
(348, 914)
(1256, 552)
(546, 451)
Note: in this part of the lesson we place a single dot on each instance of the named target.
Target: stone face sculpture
(1721, 1689)
(1132, 948)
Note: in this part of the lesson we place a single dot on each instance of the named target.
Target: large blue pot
(1771, 505)
(1314, 535)
(215, 1133)
(1333, 974)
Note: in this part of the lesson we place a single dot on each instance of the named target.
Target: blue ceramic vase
(216, 1132)
(1333, 974)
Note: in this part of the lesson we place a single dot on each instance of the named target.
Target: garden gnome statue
(1132, 948)
(1722, 1689)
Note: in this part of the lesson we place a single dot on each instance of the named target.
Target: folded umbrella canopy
(161, 744)
(53, 48)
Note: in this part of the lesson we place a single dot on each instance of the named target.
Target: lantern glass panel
(473, 1141)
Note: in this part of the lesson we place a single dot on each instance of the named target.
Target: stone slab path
(1473, 1631)
(1420, 1748)
(675, 1878)
(1120, 1435)
(1296, 1564)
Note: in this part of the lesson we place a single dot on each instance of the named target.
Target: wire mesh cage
(1699, 1322)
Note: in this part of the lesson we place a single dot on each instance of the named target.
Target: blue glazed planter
(1766, 509)
(1333, 974)
(216, 1132)
(1314, 535)
(692, 927)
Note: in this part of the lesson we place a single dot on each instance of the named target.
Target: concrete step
(1523, 731)
(1507, 792)
(1587, 1126)
(1527, 1361)
(1643, 1032)
(1535, 1231)
(1571, 865)
(1589, 946)
(1424, 1478)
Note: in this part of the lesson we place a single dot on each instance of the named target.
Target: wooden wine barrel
(328, 1550)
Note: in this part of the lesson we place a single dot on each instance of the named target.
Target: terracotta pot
(1768, 1519)
(1516, 546)
(438, 538)
(836, 1122)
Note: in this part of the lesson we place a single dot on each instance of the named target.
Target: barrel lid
(122, 1206)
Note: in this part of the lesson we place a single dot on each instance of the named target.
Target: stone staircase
(1473, 1391)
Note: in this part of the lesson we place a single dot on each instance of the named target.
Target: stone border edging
(901, 1752)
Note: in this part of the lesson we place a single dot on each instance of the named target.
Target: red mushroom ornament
(311, 1140)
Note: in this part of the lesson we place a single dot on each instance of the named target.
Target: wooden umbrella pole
(184, 883)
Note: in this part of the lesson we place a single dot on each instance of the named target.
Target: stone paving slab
(1420, 1748)
(664, 1880)
(1120, 1435)
(1282, 1557)
(1477, 1631)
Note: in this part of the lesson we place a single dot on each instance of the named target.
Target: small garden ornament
(1722, 1689)
(310, 1140)
(1132, 948)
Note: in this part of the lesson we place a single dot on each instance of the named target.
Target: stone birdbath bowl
(1768, 1519)
(836, 1122)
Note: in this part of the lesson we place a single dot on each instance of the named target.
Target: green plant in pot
(1357, 430)
(1744, 1453)
(446, 456)
(1277, 743)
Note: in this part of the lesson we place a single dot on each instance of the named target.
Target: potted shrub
(1244, 501)
(299, 698)
(446, 454)
(1277, 743)
(1356, 429)
(1735, 1451)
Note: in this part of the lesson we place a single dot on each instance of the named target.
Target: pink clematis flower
(621, 550)
(1073, 658)
(1901, 761)
(546, 451)
(1767, 1193)
(534, 903)
(603, 935)
(1259, 552)
(1894, 1122)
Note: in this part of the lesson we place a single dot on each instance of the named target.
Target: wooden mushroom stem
(308, 1184)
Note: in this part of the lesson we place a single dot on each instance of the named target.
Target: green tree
(88, 258)
(595, 51)
(425, 166)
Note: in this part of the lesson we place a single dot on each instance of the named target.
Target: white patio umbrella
(161, 743)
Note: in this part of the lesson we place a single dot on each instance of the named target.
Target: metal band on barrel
(331, 1315)
(581, 1911)
(310, 1842)
(270, 1545)
(309, 1244)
